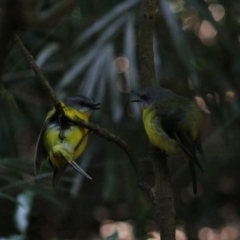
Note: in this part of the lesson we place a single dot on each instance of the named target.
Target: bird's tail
(57, 173)
(199, 148)
(63, 156)
(193, 175)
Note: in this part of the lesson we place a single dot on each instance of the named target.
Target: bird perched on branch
(61, 141)
(172, 124)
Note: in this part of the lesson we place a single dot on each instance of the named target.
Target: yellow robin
(172, 124)
(61, 141)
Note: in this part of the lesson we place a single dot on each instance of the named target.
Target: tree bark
(146, 55)
(161, 194)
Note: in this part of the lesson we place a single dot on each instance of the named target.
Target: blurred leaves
(179, 41)
(104, 22)
(94, 52)
(14, 237)
(9, 197)
(46, 53)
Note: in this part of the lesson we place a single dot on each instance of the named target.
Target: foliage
(93, 51)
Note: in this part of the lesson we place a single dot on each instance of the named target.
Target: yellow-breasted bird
(60, 140)
(172, 124)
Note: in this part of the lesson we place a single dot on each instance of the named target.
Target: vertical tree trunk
(161, 193)
(146, 30)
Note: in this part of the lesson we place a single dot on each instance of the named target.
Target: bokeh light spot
(107, 228)
(217, 10)
(230, 96)
(207, 33)
(213, 98)
(180, 235)
(125, 231)
(202, 105)
(226, 233)
(154, 236)
(190, 19)
(122, 64)
(207, 234)
(230, 233)
(190, 22)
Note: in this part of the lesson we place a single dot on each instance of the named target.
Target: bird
(61, 141)
(172, 124)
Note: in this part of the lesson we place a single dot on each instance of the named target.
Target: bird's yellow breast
(73, 141)
(155, 133)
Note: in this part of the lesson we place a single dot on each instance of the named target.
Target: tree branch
(161, 194)
(59, 10)
(102, 132)
(39, 74)
(24, 14)
(146, 55)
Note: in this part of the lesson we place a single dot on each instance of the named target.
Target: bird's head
(151, 95)
(81, 103)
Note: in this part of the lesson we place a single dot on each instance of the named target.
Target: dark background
(93, 51)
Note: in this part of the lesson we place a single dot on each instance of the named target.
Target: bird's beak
(136, 93)
(96, 106)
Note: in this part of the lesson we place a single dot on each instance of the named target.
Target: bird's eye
(144, 96)
(81, 103)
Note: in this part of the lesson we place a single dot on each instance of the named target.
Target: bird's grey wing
(188, 146)
(199, 147)
(40, 153)
(193, 176)
(169, 119)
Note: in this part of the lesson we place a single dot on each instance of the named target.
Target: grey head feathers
(81, 103)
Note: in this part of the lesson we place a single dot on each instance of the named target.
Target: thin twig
(102, 132)
(39, 74)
